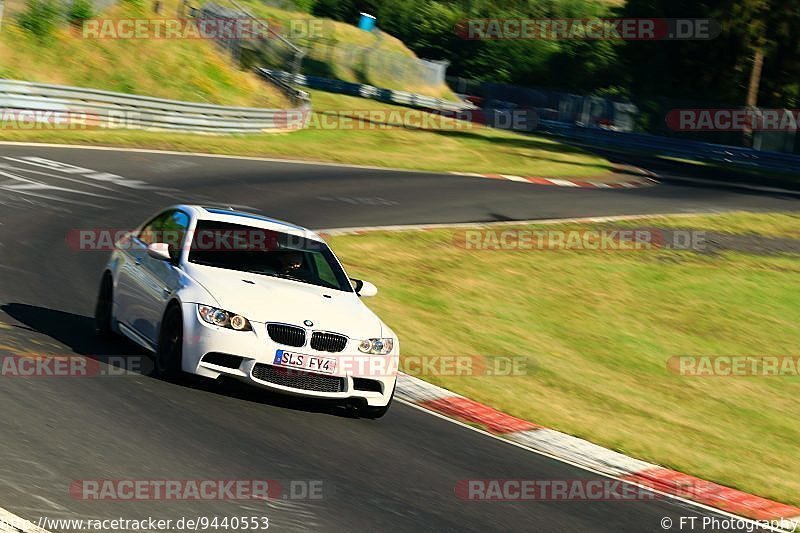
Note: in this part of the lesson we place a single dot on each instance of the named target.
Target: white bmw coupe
(218, 292)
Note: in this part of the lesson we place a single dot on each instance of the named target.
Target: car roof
(244, 218)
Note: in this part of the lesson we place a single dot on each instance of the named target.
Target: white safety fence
(39, 105)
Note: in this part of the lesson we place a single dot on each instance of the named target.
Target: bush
(40, 17)
(136, 4)
(79, 11)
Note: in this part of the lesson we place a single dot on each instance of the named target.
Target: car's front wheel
(170, 345)
(377, 412)
(103, 309)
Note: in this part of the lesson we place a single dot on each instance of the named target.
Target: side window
(149, 232)
(168, 227)
(324, 271)
(174, 230)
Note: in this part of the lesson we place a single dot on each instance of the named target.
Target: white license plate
(312, 363)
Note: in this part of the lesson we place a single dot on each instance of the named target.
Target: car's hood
(269, 299)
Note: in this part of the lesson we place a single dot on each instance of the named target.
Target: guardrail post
(297, 61)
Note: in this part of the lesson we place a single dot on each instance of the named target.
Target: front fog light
(376, 346)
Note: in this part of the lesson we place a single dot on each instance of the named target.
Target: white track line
(414, 227)
(11, 523)
(221, 156)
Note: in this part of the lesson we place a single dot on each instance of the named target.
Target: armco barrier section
(367, 91)
(119, 110)
(718, 153)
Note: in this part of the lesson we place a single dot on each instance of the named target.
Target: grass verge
(597, 330)
(454, 146)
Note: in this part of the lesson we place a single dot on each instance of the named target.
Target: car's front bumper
(355, 371)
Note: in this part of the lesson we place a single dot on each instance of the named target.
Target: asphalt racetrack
(395, 474)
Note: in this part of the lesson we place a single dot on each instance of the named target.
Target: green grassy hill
(182, 69)
(345, 52)
(194, 69)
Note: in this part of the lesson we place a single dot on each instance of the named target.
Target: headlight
(376, 346)
(222, 318)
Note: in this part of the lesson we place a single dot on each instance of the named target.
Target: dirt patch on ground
(750, 243)
(710, 242)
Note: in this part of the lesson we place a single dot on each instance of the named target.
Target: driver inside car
(291, 262)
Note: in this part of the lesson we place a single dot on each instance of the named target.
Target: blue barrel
(366, 22)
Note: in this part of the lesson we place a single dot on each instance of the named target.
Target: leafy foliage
(40, 17)
(79, 11)
(716, 70)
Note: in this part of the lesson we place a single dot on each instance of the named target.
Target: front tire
(375, 413)
(104, 308)
(169, 355)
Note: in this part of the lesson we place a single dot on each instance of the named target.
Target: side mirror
(159, 250)
(364, 288)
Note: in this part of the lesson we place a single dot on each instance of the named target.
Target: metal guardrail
(718, 153)
(119, 110)
(390, 96)
(298, 96)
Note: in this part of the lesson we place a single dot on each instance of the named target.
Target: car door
(149, 282)
(129, 274)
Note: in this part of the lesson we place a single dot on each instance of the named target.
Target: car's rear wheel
(103, 309)
(170, 345)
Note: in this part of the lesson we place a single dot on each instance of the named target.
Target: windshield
(266, 252)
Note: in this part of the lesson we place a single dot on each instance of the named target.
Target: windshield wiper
(278, 275)
(289, 276)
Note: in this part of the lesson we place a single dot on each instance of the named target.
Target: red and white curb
(591, 456)
(646, 179)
